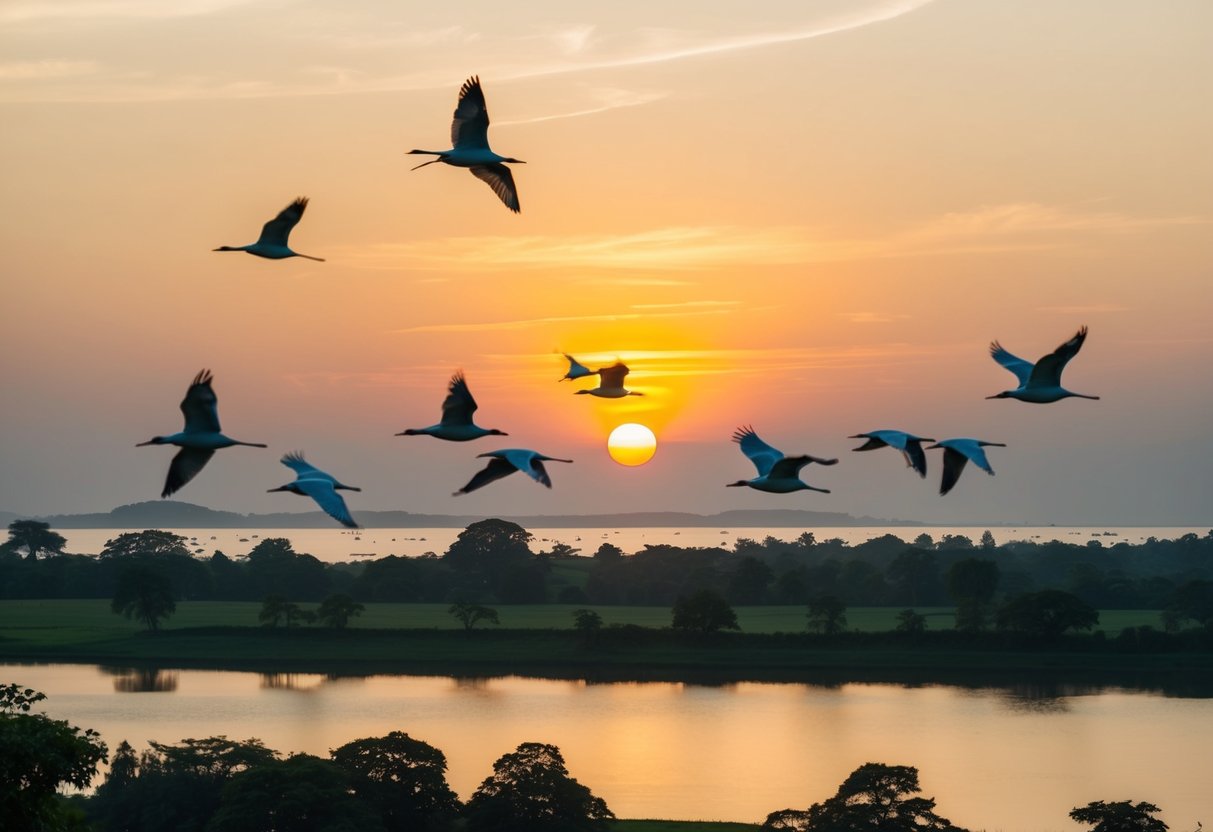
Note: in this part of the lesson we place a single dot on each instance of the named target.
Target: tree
(530, 790)
(274, 567)
(915, 572)
(144, 594)
(608, 552)
(487, 546)
(336, 611)
(787, 820)
(1046, 614)
(1123, 816)
(704, 612)
(588, 625)
(987, 540)
(1192, 601)
(909, 621)
(876, 798)
(39, 756)
(972, 583)
(403, 778)
(827, 614)
(275, 608)
(34, 536)
(749, 581)
(470, 615)
(150, 543)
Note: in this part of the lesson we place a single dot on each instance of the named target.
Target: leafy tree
(827, 614)
(144, 594)
(530, 790)
(987, 540)
(877, 798)
(150, 543)
(1123, 816)
(34, 536)
(403, 778)
(909, 621)
(1192, 601)
(487, 546)
(275, 608)
(274, 567)
(470, 615)
(336, 611)
(704, 612)
(749, 581)
(787, 820)
(924, 541)
(608, 552)
(972, 583)
(588, 625)
(560, 549)
(1046, 614)
(299, 794)
(915, 573)
(38, 755)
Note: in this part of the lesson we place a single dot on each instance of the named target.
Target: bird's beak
(930, 447)
(141, 444)
(279, 488)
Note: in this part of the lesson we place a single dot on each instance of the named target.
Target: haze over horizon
(812, 220)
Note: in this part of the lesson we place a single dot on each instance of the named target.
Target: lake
(336, 544)
(998, 759)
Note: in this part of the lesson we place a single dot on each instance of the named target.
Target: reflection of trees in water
(142, 679)
(304, 681)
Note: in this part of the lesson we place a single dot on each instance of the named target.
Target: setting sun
(631, 444)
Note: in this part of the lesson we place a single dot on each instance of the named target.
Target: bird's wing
(1022, 369)
(276, 231)
(977, 455)
(538, 472)
(184, 467)
(458, 407)
(495, 470)
(916, 457)
(500, 179)
(470, 126)
(326, 496)
(789, 466)
(893, 438)
(576, 368)
(760, 453)
(1047, 372)
(614, 375)
(201, 406)
(953, 463)
(302, 468)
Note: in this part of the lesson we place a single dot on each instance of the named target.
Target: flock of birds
(1039, 383)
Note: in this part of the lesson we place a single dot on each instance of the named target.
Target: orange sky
(812, 220)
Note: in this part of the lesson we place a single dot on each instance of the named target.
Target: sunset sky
(811, 217)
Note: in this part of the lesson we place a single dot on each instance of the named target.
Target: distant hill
(170, 514)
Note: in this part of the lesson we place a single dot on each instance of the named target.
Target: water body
(336, 545)
(1015, 760)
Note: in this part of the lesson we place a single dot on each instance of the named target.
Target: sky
(809, 217)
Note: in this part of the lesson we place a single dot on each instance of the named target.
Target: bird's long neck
(250, 444)
(1083, 396)
(231, 248)
(308, 257)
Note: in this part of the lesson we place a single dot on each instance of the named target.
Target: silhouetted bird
(1040, 383)
(470, 146)
(777, 473)
(272, 242)
(576, 369)
(610, 383)
(909, 445)
(310, 481)
(457, 410)
(956, 453)
(505, 462)
(200, 438)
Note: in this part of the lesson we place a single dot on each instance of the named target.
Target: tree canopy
(530, 790)
(144, 594)
(1122, 816)
(34, 536)
(404, 778)
(704, 612)
(1046, 614)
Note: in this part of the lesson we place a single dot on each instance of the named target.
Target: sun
(631, 444)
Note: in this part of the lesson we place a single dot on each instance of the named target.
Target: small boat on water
(362, 554)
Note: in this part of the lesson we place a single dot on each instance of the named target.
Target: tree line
(380, 784)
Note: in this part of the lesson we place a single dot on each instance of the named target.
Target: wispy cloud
(606, 100)
(42, 70)
(92, 9)
(638, 312)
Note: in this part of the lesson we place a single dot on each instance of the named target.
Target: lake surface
(993, 759)
(335, 545)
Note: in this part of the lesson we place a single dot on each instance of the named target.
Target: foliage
(39, 755)
(1192, 601)
(1123, 816)
(275, 608)
(402, 778)
(878, 797)
(336, 611)
(470, 615)
(972, 583)
(704, 612)
(530, 790)
(488, 546)
(827, 615)
(150, 543)
(144, 594)
(274, 567)
(588, 625)
(34, 536)
(909, 621)
(915, 575)
(1046, 614)
(608, 552)
(787, 820)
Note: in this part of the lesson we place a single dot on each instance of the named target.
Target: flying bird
(272, 242)
(470, 146)
(310, 481)
(777, 473)
(958, 452)
(457, 410)
(505, 462)
(1040, 383)
(909, 445)
(610, 383)
(576, 369)
(200, 438)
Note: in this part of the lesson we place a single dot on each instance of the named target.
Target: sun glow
(631, 444)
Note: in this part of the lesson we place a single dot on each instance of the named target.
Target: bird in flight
(610, 383)
(576, 369)
(505, 462)
(1040, 383)
(310, 481)
(272, 242)
(457, 410)
(200, 438)
(909, 445)
(470, 146)
(957, 453)
(777, 473)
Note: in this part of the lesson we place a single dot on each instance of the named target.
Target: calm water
(340, 545)
(993, 759)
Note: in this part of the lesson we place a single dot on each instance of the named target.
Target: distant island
(178, 515)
